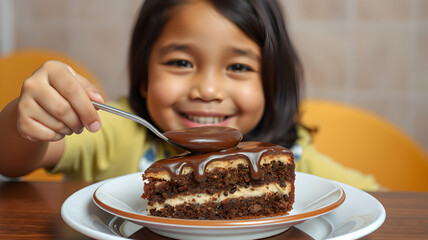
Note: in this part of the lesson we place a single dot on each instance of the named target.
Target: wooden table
(31, 210)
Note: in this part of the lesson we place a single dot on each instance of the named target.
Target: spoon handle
(130, 116)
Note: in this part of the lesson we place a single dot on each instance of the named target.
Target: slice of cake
(252, 180)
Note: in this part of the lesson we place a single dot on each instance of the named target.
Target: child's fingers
(33, 130)
(56, 106)
(60, 93)
(40, 115)
(35, 123)
(75, 95)
(38, 91)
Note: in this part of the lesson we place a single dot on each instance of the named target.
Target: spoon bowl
(206, 139)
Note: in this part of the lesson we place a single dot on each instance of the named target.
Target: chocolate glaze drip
(251, 151)
(205, 139)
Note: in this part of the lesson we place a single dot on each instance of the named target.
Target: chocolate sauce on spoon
(205, 139)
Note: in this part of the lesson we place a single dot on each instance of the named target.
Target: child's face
(204, 70)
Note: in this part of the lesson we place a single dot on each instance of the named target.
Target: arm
(18, 155)
(54, 102)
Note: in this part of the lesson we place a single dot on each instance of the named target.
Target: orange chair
(362, 140)
(17, 67)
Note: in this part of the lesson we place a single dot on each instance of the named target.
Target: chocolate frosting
(205, 139)
(250, 151)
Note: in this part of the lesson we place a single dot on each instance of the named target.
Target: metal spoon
(137, 119)
(196, 140)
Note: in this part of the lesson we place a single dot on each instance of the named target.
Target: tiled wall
(370, 53)
(373, 54)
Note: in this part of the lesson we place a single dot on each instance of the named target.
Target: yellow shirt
(121, 144)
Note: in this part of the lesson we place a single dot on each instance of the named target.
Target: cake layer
(218, 180)
(246, 192)
(236, 208)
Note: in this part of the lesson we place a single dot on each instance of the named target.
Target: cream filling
(202, 198)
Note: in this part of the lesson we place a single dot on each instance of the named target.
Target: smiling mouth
(205, 119)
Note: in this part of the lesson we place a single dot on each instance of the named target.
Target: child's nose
(208, 87)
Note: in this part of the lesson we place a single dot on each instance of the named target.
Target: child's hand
(56, 101)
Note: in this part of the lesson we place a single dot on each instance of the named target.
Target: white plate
(358, 216)
(314, 196)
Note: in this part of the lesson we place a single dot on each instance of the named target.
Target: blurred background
(373, 54)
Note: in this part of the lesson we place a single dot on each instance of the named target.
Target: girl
(192, 63)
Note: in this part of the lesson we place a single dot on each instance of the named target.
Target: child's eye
(180, 63)
(239, 68)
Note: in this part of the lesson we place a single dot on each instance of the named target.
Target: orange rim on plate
(217, 223)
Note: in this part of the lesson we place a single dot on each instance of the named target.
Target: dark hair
(263, 22)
